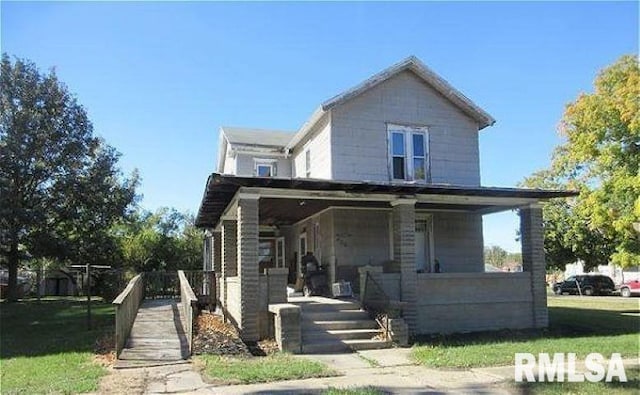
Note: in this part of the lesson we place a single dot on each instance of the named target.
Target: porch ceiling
(289, 211)
(288, 202)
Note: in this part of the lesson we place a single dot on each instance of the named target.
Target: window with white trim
(408, 153)
(264, 167)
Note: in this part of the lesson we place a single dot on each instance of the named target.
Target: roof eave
(306, 128)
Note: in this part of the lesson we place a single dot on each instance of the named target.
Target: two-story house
(384, 180)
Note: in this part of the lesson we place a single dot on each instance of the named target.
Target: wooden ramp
(157, 337)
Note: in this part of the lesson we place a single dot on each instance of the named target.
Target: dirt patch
(124, 381)
(103, 348)
(263, 347)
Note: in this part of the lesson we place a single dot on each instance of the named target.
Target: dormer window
(265, 167)
(408, 153)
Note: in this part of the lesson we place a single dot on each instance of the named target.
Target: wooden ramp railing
(153, 286)
(189, 304)
(127, 304)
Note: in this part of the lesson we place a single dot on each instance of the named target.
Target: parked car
(630, 288)
(585, 284)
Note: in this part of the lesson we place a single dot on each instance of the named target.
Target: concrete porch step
(311, 306)
(337, 324)
(340, 334)
(335, 346)
(335, 315)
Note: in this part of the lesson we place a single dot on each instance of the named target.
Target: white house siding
(446, 302)
(319, 143)
(229, 162)
(458, 241)
(245, 165)
(359, 134)
(361, 238)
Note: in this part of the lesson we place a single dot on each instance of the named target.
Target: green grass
(577, 325)
(353, 391)
(632, 386)
(276, 367)
(46, 348)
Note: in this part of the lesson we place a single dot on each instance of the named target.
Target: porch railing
(126, 305)
(188, 303)
(161, 285)
(378, 304)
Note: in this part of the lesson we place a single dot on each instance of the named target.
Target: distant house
(383, 178)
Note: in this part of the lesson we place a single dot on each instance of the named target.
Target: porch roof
(319, 194)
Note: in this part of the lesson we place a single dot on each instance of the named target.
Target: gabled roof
(252, 136)
(271, 139)
(421, 70)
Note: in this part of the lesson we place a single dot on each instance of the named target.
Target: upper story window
(265, 167)
(307, 163)
(408, 153)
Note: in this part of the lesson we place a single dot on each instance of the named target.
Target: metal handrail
(378, 304)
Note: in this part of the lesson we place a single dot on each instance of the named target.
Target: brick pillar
(217, 251)
(248, 266)
(532, 236)
(217, 263)
(228, 257)
(404, 251)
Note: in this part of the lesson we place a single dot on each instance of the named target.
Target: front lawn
(585, 388)
(580, 325)
(249, 370)
(46, 348)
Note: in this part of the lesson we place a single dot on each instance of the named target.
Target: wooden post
(88, 297)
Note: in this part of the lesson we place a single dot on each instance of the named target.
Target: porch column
(217, 263)
(216, 251)
(248, 270)
(532, 236)
(404, 251)
(228, 258)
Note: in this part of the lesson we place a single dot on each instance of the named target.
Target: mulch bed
(214, 336)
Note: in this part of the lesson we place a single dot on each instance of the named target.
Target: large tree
(601, 158)
(60, 187)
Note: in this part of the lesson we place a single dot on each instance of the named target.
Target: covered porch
(422, 243)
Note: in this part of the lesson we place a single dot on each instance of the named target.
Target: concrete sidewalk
(389, 370)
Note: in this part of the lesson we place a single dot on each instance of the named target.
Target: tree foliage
(499, 257)
(495, 255)
(60, 188)
(600, 158)
(164, 240)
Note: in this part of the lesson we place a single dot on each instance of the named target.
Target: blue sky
(158, 79)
